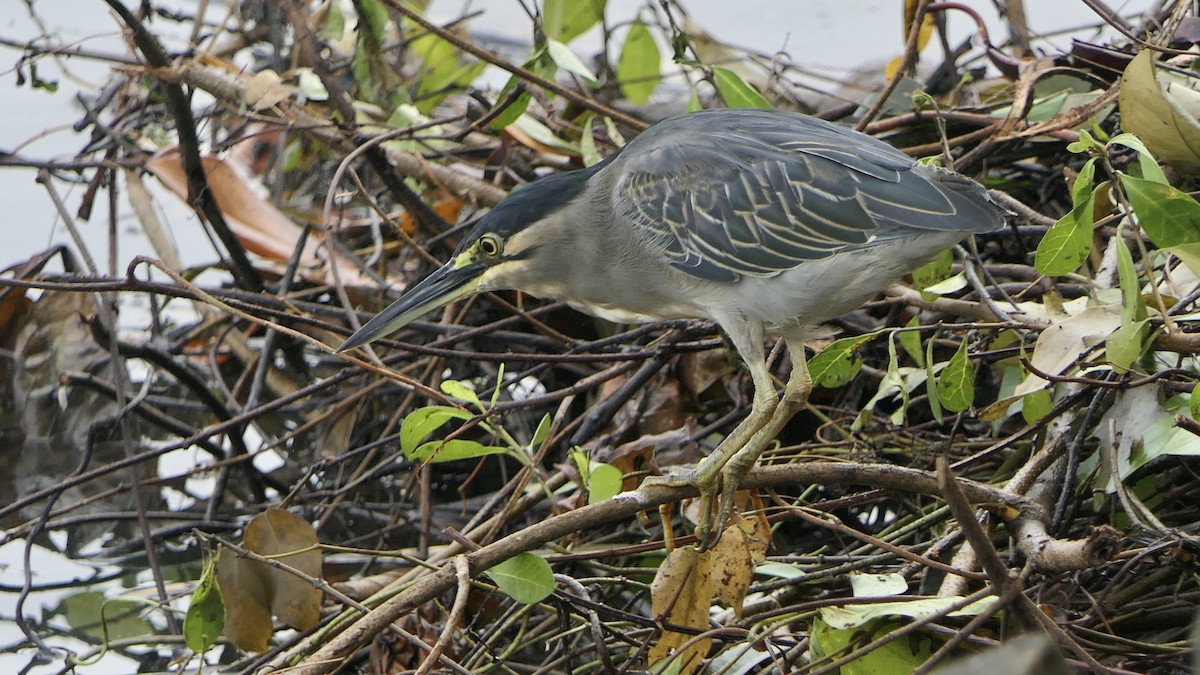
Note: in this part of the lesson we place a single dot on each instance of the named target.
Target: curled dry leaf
(1161, 108)
(259, 226)
(681, 594)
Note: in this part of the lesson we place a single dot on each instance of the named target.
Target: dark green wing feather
(728, 193)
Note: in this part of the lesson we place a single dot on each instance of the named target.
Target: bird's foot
(707, 480)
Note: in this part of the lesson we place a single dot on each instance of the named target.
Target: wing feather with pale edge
(771, 190)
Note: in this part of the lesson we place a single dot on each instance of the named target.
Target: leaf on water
(525, 577)
(639, 67)
(681, 594)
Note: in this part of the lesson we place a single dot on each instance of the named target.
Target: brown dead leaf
(699, 371)
(253, 590)
(681, 594)
(266, 89)
(743, 546)
(259, 226)
(247, 619)
(291, 540)
(1161, 112)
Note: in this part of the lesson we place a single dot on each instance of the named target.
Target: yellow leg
(795, 397)
(706, 476)
(723, 469)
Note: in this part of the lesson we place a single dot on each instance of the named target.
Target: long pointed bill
(441, 288)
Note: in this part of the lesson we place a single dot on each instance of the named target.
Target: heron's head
(503, 248)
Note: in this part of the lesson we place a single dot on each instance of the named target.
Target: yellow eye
(489, 245)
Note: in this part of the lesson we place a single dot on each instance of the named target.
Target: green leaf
(513, 110)
(838, 363)
(1084, 185)
(639, 66)
(423, 421)
(334, 26)
(1189, 254)
(956, 384)
(1036, 404)
(1149, 165)
(1194, 404)
(565, 20)
(1085, 143)
(936, 270)
(542, 432)
(461, 391)
(206, 612)
(1133, 307)
(846, 617)
(736, 92)
(693, 104)
(310, 85)
(1067, 243)
(604, 482)
(931, 390)
(1127, 344)
(525, 577)
(587, 142)
(377, 80)
(568, 61)
(436, 452)
(441, 70)
(544, 135)
(892, 658)
(1169, 217)
(911, 341)
(540, 63)
(893, 379)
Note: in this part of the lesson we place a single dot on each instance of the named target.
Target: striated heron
(767, 222)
